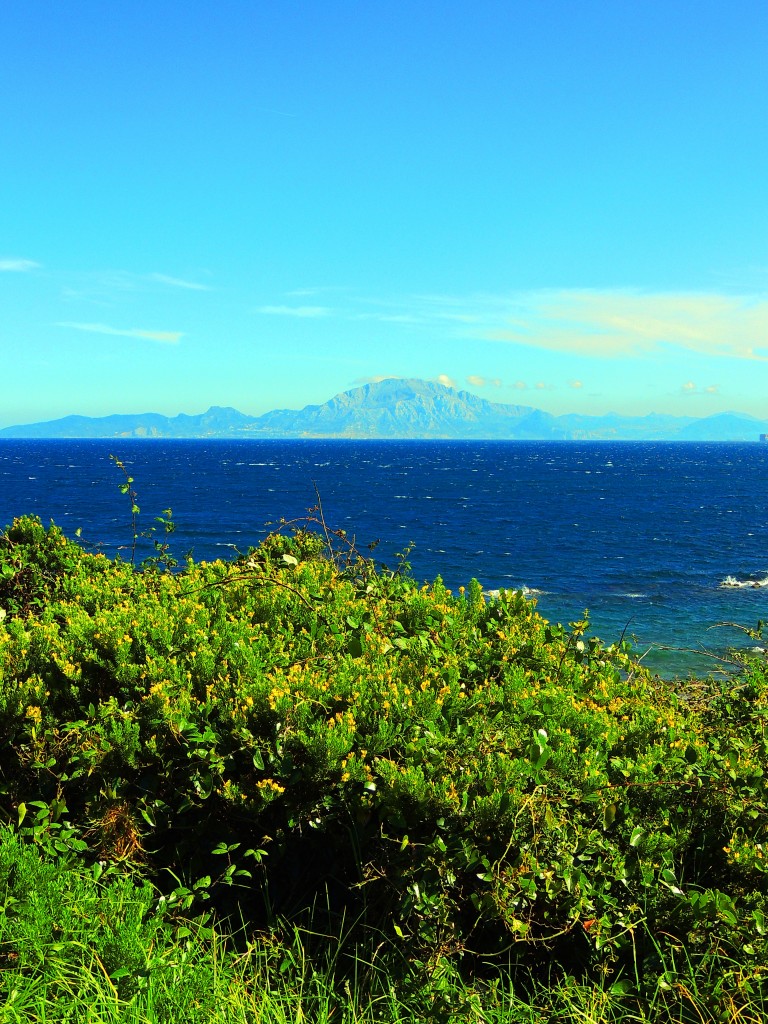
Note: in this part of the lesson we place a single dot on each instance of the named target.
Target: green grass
(76, 948)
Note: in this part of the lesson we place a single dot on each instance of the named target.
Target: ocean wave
(525, 591)
(733, 583)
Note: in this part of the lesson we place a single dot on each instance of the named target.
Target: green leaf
(621, 988)
(355, 647)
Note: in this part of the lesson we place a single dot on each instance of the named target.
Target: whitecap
(734, 583)
(525, 591)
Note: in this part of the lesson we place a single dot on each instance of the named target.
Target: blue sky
(261, 204)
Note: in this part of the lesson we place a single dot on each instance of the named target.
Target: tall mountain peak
(398, 407)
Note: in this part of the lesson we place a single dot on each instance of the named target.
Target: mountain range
(401, 408)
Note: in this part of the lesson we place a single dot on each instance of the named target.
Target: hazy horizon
(261, 206)
(192, 413)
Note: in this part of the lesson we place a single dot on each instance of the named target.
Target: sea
(664, 544)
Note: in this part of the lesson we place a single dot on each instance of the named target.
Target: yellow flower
(270, 784)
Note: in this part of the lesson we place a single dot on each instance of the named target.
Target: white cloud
(475, 381)
(602, 324)
(177, 282)
(300, 311)
(689, 388)
(575, 384)
(444, 379)
(621, 323)
(18, 266)
(164, 337)
(377, 378)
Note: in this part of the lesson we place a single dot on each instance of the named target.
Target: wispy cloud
(177, 282)
(477, 381)
(599, 323)
(614, 324)
(112, 287)
(300, 311)
(443, 378)
(18, 266)
(164, 337)
(377, 378)
(689, 388)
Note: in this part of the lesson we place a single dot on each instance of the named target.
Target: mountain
(398, 408)
(730, 425)
(216, 422)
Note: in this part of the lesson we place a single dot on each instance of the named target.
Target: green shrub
(467, 780)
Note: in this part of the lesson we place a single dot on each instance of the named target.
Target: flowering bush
(476, 779)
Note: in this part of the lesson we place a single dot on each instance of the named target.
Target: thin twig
(249, 576)
(322, 521)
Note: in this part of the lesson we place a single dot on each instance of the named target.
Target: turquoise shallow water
(641, 534)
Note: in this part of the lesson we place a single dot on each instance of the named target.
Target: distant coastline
(405, 410)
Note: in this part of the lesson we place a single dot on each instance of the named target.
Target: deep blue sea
(644, 535)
